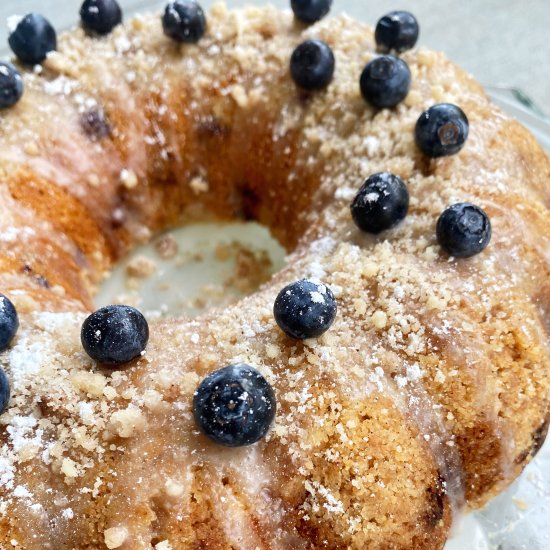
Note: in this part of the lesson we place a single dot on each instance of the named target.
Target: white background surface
(502, 42)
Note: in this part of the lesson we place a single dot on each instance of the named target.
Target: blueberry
(11, 85)
(381, 203)
(463, 230)
(441, 130)
(9, 322)
(234, 406)
(310, 11)
(115, 334)
(305, 309)
(32, 39)
(94, 124)
(100, 16)
(184, 21)
(4, 391)
(385, 81)
(397, 30)
(312, 65)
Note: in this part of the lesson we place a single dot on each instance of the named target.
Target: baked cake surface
(430, 391)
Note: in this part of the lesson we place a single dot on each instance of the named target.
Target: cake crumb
(126, 421)
(91, 383)
(128, 178)
(93, 180)
(167, 247)
(434, 302)
(141, 267)
(520, 503)
(173, 488)
(115, 537)
(69, 468)
(238, 93)
(272, 350)
(198, 185)
(222, 252)
(109, 392)
(31, 148)
(379, 319)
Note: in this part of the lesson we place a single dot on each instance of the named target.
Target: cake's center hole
(188, 270)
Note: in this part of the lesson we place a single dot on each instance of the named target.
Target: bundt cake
(393, 373)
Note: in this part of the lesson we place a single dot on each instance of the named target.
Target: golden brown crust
(431, 389)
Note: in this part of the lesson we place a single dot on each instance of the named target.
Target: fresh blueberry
(310, 11)
(385, 81)
(397, 30)
(32, 39)
(381, 203)
(234, 406)
(11, 85)
(114, 334)
(94, 124)
(4, 391)
(441, 130)
(312, 65)
(305, 309)
(100, 16)
(463, 230)
(9, 322)
(184, 21)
